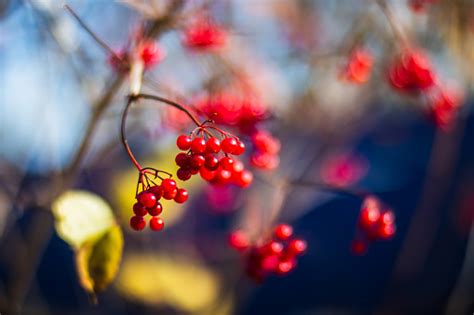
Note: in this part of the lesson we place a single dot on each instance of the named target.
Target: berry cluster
(266, 149)
(211, 158)
(276, 256)
(374, 224)
(412, 72)
(148, 200)
(233, 110)
(204, 34)
(358, 67)
(149, 52)
(419, 6)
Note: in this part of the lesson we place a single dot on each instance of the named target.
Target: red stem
(131, 99)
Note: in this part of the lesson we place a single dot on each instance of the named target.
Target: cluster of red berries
(374, 224)
(358, 67)
(419, 6)
(266, 149)
(148, 203)
(230, 109)
(204, 34)
(147, 51)
(445, 104)
(276, 256)
(210, 158)
(412, 72)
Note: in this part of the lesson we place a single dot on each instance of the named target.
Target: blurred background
(65, 179)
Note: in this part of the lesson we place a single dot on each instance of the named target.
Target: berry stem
(132, 99)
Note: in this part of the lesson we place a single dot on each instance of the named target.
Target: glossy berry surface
(156, 224)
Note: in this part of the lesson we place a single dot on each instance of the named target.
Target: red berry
(197, 161)
(388, 217)
(139, 210)
(211, 163)
(222, 177)
(229, 145)
(137, 223)
(157, 224)
(206, 174)
(170, 194)
(168, 184)
(239, 240)
(213, 145)
(157, 191)
(275, 247)
(183, 174)
(181, 195)
(297, 247)
(198, 145)
(147, 199)
(240, 149)
(237, 167)
(369, 216)
(183, 142)
(156, 210)
(269, 263)
(283, 231)
(386, 231)
(182, 159)
(226, 162)
(285, 266)
(244, 178)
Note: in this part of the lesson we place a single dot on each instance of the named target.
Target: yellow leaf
(81, 216)
(97, 261)
(180, 282)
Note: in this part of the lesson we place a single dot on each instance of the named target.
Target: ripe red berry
(226, 162)
(157, 191)
(285, 266)
(386, 231)
(146, 199)
(181, 195)
(183, 174)
(168, 184)
(213, 145)
(229, 145)
(211, 163)
(237, 167)
(197, 161)
(222, 177)
(297, 246)
(369, 216)
(283, 231)
(269, 263)
(183, 142)
(244, 178)
(388, 217)
(240, 148)
(275, 247)
(156, 210)
(198, 145)
(182, 159)
(239, 240)
(139, 209)
(170, 194)
(206, 174)
(157, 224)
(137, 223)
